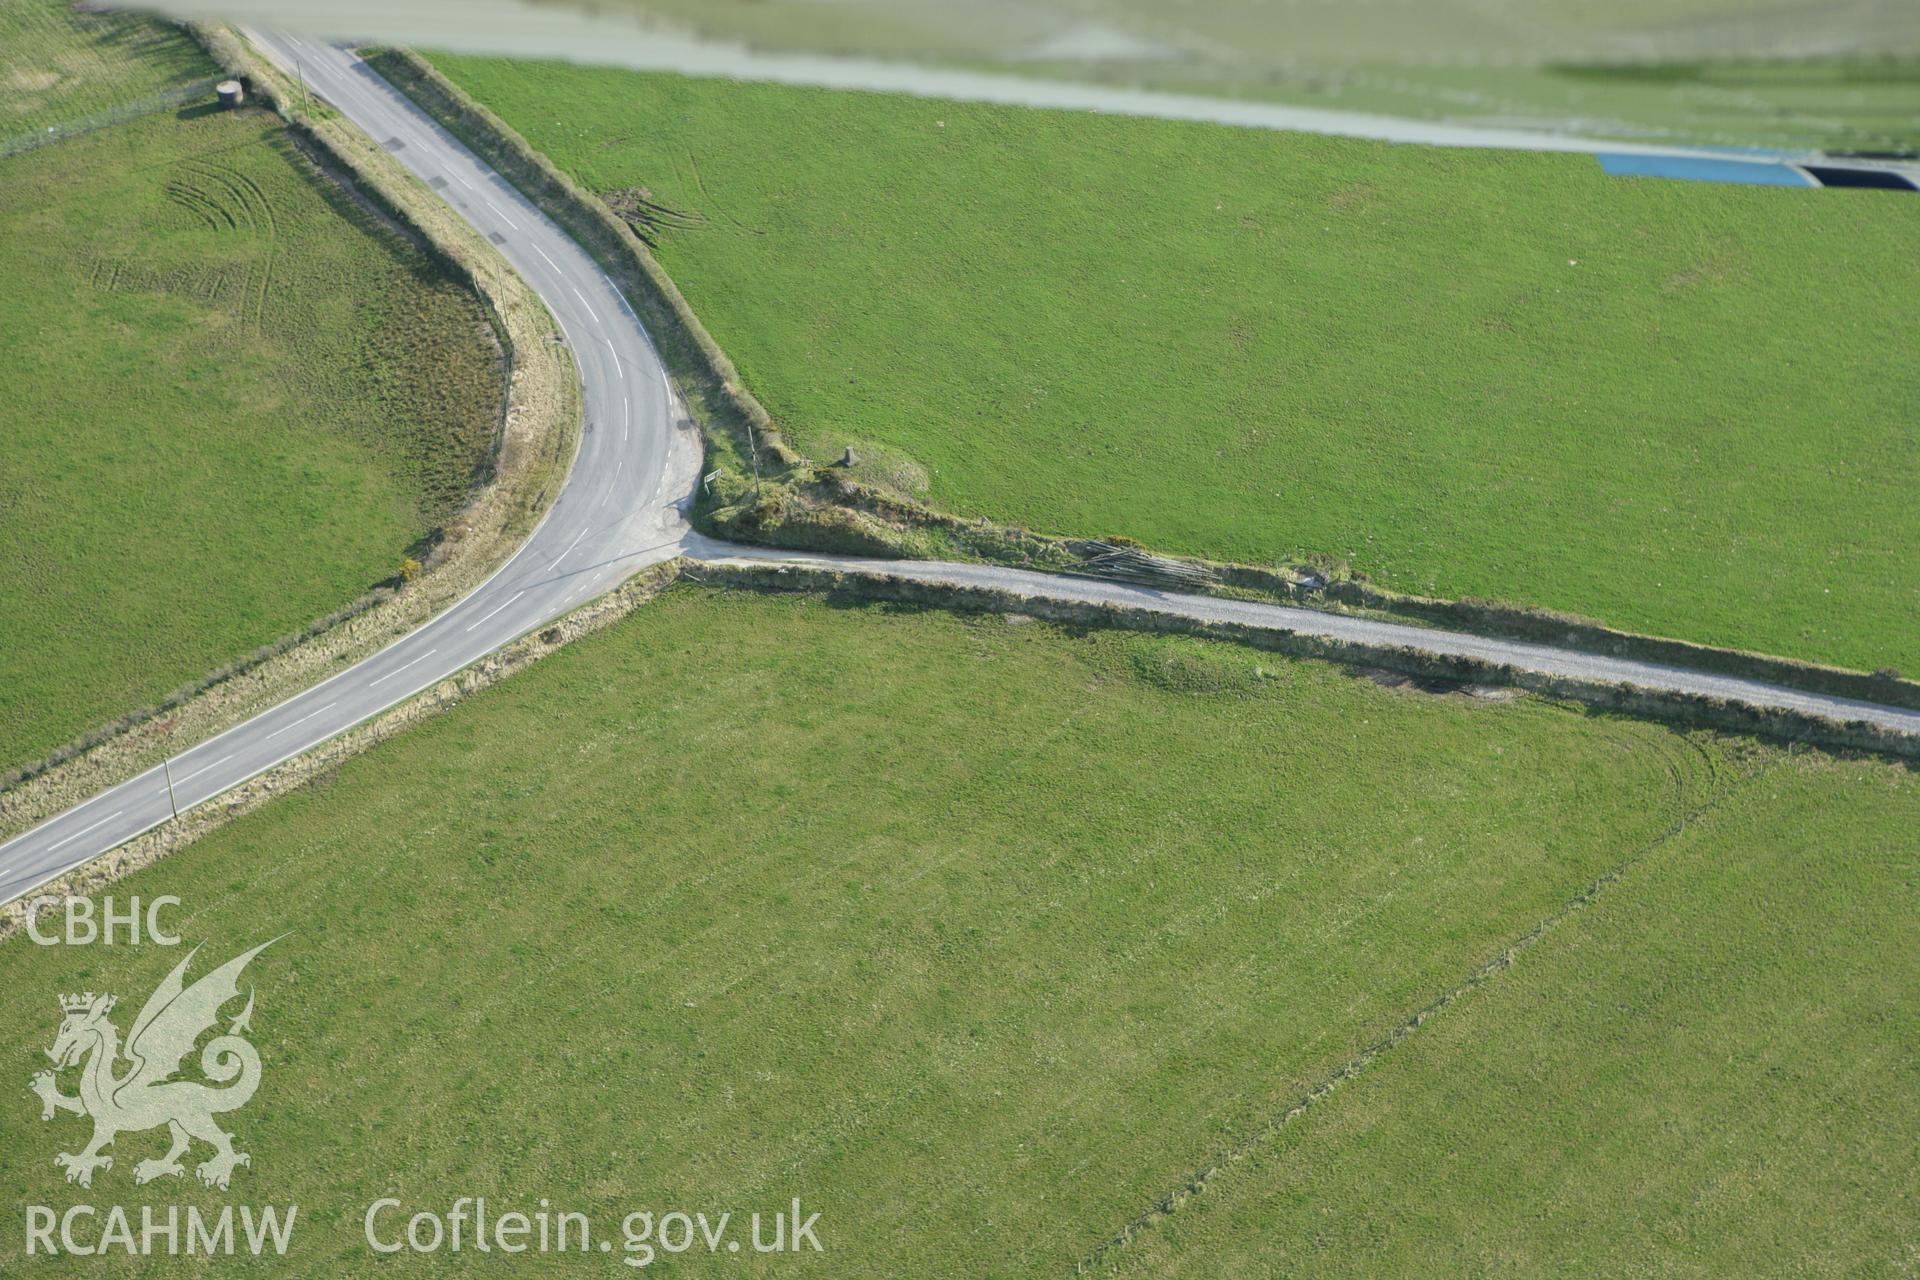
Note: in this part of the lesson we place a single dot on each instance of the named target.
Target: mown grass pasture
(976, 936)
(1709, 1072)
(64, 66)
(234, 399)
(1680, 408)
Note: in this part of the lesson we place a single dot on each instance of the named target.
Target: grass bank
(1468, 374)
(977, 948)
(221, 429)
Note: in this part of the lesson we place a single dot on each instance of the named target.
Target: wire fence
(119, 113)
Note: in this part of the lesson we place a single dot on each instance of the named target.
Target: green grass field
(977, 937)
(1712, 1072)
(1681, 408)
(62, 68)
(219, 420)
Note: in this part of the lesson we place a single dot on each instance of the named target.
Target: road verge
(146, 849)
(763, 491)
(534, 446)
(1688, 709)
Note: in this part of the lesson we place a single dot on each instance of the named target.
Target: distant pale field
(1798, 74)
(1681, 408)
(60, 65)
(979, 938)
(232, 401)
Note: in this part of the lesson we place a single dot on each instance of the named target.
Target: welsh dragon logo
(145, 1094)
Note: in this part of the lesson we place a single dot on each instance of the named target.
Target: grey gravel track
(623, 508)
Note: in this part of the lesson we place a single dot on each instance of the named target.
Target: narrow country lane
(623, 508)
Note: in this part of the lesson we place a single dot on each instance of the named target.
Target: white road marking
(626, 416)
(462, 181)
(586, 304)
(202, 769)
(618, 294)
(503, 214)
(76, 835)
(617, 372)
(569, 551)
(297, 723)
(478, 621)
(543, 253)
(1322, 624)
(397, 670)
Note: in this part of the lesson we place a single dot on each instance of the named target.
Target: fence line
(179, 95)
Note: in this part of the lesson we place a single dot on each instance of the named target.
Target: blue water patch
(1704, 169)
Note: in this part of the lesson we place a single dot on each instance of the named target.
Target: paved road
(638, 458)
(1314, 622)
(623, 508)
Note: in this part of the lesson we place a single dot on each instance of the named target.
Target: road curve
(623, 508)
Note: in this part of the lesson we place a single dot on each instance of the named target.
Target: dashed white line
(478, 621)
(76, 835)
(569, 551)
(463, 182)
(297, 723)
(585, 303)
(397, 670)
(543, 253)
(616, 358)
(503, 214)
(202, 769)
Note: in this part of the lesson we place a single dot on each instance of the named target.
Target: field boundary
(1571, 631)
(217, 811)
(761, 490)
(1198, 1181)
(689, 351)
(534, 443)
(596, 615)
(823, 508)
(177, 96)
(1691, 710)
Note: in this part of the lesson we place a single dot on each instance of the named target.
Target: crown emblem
(148, 1094)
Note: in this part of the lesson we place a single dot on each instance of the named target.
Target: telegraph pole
(306, 102)
(171, 803)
